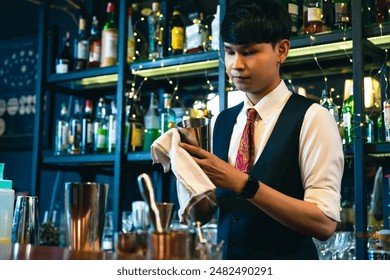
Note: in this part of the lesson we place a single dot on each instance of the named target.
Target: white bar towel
(192, 183)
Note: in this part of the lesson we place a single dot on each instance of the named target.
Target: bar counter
(31, 252)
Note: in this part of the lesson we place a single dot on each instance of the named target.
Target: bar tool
(147, 193)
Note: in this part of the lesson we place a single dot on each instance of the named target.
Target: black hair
(256, 21)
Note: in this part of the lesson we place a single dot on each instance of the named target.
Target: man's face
(254, 68)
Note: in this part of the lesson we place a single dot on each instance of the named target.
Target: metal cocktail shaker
(85, 208)
(25, 229)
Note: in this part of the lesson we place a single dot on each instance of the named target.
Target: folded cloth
(192, 183)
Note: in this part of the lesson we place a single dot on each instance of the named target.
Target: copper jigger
(171, 245)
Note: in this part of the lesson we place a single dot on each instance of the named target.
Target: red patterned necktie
(246, 149)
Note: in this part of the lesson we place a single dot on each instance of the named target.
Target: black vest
(248, 232)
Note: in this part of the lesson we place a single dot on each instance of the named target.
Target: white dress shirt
(321, 157)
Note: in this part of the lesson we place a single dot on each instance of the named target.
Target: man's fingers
(193, 150)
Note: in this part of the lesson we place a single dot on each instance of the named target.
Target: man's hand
(221, 173)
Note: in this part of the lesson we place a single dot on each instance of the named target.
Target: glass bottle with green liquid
(167, 116)
(151, 120)
(348, 109)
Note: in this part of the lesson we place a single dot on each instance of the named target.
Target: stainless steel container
(195, 131)
(25, 229)
(85, 208)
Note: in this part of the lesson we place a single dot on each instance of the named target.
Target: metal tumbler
(85, 208)
(195, 131)
(25, 229)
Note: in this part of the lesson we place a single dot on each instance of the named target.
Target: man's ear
(283, 47)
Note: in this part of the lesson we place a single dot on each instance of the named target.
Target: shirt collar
(270, 103)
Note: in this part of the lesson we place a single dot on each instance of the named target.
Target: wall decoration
(18, 75)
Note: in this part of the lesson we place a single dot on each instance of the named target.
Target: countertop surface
(31, 252)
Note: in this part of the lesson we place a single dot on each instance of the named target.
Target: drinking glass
(140, 215)
(322, 249)
(338, 243)
(127, 221)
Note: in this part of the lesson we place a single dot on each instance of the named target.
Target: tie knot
(251, 113)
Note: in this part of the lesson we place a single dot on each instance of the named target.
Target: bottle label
(387, 116)
(111, 131)
(177, 38)
(82, 49)
(193, 36)
(130, 49)
(293, 9)
(62, 68)
(96, 49)
(89, 133)
(101, 138)
(110, 43)
(347, 120)
(137, 134)
(314, 14)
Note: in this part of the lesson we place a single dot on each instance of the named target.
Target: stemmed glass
(338, 243)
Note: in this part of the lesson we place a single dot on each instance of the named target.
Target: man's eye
(228, 52)
(248, 53)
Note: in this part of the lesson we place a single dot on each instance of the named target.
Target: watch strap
(251, 187)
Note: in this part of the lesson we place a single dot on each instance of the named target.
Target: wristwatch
(250, 188)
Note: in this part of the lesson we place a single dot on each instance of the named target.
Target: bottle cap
(4, 184)
(110, 7)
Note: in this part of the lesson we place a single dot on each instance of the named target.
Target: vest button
(234, 219)
(231, 246)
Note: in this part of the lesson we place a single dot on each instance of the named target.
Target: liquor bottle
(382, 10)
(328, 15)
(140, 28)
(64, 61)
(112, 128)
(369, 129)
(156, 28)
(386, 116)
(206, 42)
(151, 123)
(109, 38)
(130, 37)
(342, 12)
(327, 102)
(167, 116)
(100, 128)
(7, 202)
(312, 16)
(176, 33)
(293, 10)
(62, 132)
(348, 119)
(75, 130)
(215, 30)
(95, 44)
(381, 137)
(135, 121)
(81, 47)
(196, 34)
(87, 129)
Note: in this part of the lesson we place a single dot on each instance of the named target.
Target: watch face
(250, 188)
